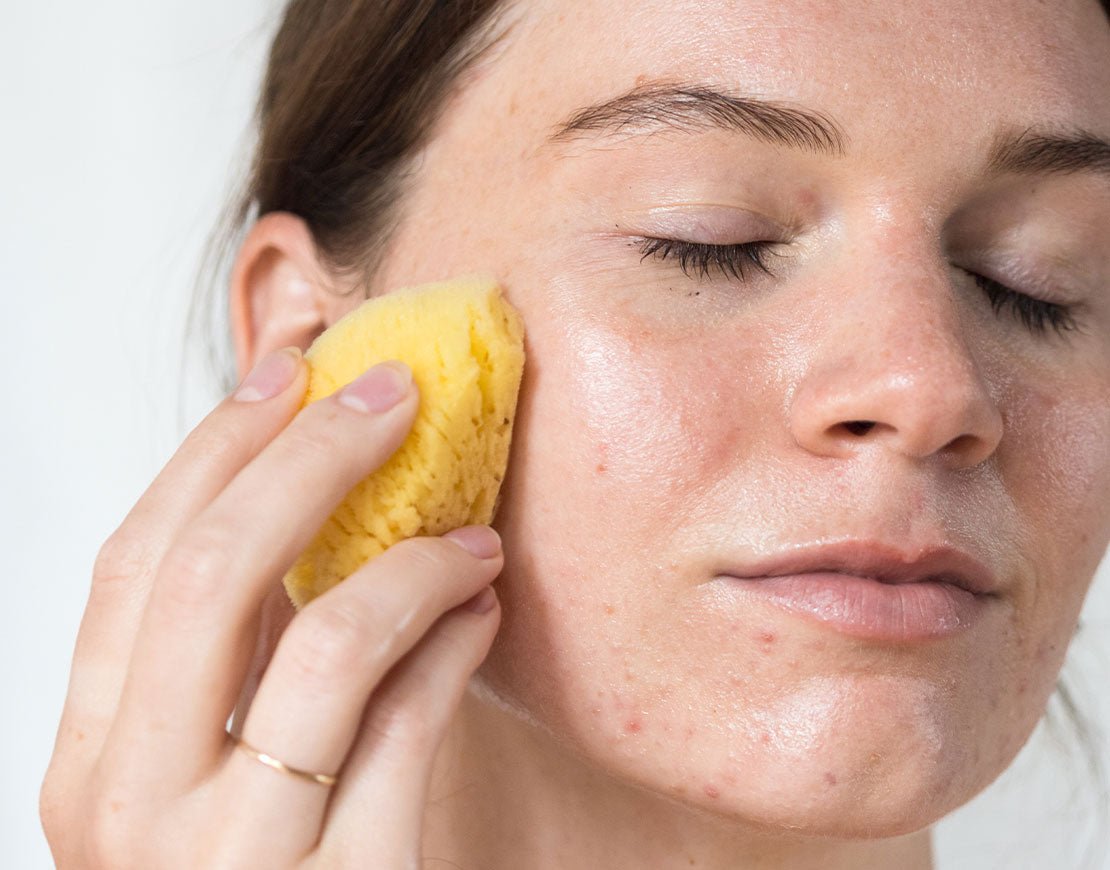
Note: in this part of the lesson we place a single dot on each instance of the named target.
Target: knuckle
(403, 726)
(195, 567)
(432, 556)
(52, 807)
(110, 832)
(313, 435)
(325, 641)
(122, 557)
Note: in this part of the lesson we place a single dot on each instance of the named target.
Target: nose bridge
(894, 365)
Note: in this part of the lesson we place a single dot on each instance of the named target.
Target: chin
(849, 758)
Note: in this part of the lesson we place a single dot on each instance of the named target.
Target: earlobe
(280, 293)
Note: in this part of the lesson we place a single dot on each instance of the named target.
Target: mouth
(873, 590)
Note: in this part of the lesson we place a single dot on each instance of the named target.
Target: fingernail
(378, 389)
(273, 374)
(482, 542)
(482, 602)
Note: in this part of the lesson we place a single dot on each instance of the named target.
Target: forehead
(916, 62)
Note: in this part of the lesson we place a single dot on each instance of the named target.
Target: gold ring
(270, 761)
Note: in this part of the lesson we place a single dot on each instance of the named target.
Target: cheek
(1057, 467)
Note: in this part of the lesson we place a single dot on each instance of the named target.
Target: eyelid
(710, 224)
(1017, 273)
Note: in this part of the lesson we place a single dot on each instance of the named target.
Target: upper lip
(879, 561)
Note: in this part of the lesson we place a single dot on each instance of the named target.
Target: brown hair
(351, 91)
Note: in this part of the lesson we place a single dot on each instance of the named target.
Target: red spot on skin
(689, 732)
(712, 791)
(729, 778)
(640, 79)
(609, 609)
(765, 738)
(830, 778)
(602, 467)
(633, 726)
(766, 637)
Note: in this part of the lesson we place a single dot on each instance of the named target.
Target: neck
(504, 794)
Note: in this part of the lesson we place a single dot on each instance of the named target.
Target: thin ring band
(270, 761)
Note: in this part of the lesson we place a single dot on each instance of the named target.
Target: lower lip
(866, 608)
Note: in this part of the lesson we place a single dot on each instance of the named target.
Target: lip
(873, 590)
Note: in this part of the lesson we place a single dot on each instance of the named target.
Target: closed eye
(1037, 315)
(697, 259)
(737, 261)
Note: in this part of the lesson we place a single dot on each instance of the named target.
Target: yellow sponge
(465, 346)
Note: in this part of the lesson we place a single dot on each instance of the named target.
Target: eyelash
(696, 258)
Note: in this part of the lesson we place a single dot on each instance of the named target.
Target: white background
(122, 126)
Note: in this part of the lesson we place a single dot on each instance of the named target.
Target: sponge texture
(465, 346)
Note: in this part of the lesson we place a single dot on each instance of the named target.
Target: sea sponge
(465, 346)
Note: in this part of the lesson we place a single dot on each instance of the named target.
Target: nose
(890, 367)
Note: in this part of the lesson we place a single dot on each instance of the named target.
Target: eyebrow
(1036, 151)
(693, 108)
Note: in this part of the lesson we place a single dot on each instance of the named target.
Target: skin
(709, 426)
(629, 713)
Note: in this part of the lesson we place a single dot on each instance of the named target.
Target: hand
(362, 684)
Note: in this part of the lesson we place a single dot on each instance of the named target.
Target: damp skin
(669, 428)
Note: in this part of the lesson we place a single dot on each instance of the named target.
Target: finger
(335, 652)
(383, 790)
(227, 439)
(195, 641)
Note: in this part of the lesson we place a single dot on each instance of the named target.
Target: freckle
(609, 609)
(766, 637)
(875, 757)
(633, 726)
(640, 79)
(602, 467)
(117, 806)
(628, 676)
(830, 777)
(80, 735)
(601, 694)
(689, 732)
(712, 791)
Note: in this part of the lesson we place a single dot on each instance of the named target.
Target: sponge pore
(465, 346)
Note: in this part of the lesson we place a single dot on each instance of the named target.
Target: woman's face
(674, 428)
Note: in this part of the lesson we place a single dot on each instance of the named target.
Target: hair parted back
(351, 91)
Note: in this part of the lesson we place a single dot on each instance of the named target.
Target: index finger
(225, 441)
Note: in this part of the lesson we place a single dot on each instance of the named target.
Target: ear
(281, 294)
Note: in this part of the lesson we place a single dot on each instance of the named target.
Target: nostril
(859, 427)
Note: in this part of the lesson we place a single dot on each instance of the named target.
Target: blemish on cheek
(602, 467)
(712, 791)
(609, 609)
(830, 777)
(633, 726)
